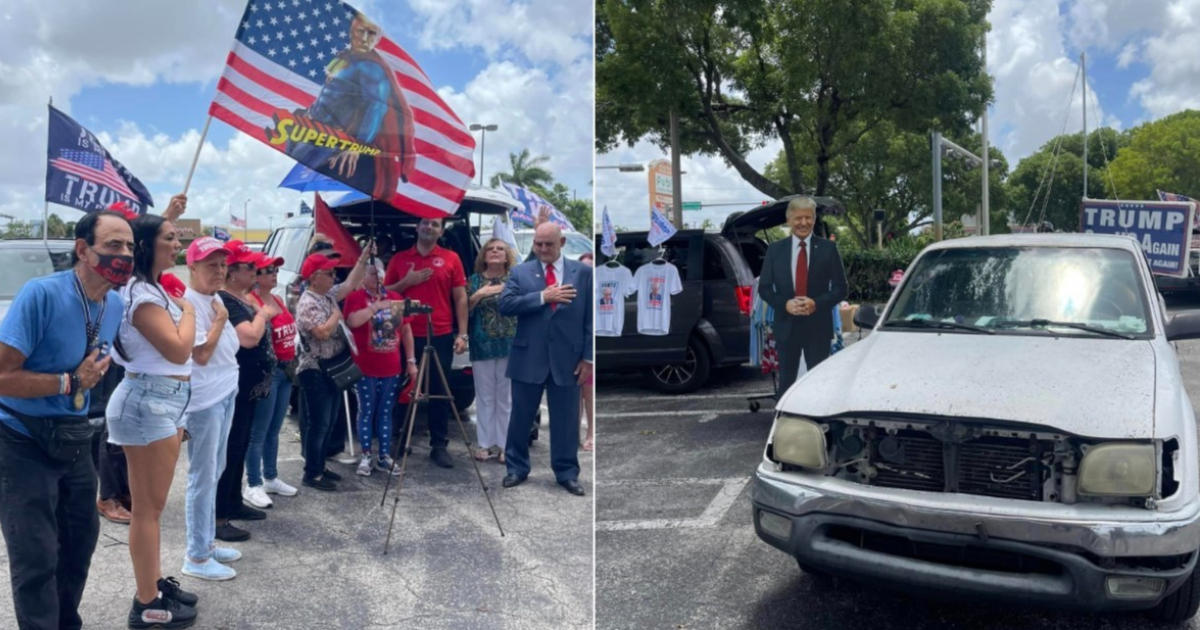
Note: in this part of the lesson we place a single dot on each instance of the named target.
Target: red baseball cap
(315, 263)
(173, 284)
(204, 247)
(267, 261)
(240, 253)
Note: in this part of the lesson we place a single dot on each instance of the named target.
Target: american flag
(236, 222)
(279, 63)
(92, 167)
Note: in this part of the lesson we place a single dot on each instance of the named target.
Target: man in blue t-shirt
(53, 347)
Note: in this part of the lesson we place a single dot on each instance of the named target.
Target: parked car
(394, 231)
(1187, 284)
(710, 318)
(1015, 428)
(27, 259)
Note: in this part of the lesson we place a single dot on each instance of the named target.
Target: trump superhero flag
(321, 82)
(82, 174)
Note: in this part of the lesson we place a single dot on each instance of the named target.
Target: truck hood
(1087, 386)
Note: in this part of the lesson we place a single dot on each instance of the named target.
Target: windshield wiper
(929, 323)
(1042, 323)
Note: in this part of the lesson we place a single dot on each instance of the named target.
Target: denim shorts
(146, 409)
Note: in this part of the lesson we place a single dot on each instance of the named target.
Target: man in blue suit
(552, 353)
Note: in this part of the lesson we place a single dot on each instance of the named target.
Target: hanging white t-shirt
(656, 283)
(613, 285)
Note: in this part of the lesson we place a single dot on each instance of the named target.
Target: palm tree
(526, 171)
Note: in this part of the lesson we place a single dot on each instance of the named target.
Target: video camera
(411, 308)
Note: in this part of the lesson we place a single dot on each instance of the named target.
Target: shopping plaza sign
(1163, 228)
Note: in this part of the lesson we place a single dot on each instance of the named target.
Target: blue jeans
(206, 460)
(263, 451)
(376, 397)
(321, 400)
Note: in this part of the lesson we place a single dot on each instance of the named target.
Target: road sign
(691, 205)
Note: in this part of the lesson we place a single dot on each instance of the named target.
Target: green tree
(891, 170)
(525, 170)
(817, 75)
(1045, 189)
(1162, 155)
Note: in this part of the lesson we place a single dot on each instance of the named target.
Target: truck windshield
(1026, 290)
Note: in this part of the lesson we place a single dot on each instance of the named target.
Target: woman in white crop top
(145, 414)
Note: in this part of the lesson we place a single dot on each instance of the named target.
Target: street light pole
(985, 213)
(937, 186)
(482, 145)
(245, 221)
(676, 181)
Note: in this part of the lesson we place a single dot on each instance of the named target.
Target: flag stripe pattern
(236, 222)
(278, 63)
(93, 168)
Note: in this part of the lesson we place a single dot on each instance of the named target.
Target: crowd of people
(212, 365)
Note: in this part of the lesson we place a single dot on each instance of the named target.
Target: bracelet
(64, 384)
(76, 386)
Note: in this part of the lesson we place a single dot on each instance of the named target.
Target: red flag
(286, 83)
(343, 242)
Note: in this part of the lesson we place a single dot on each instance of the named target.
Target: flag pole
(204, 134)
(46, 208)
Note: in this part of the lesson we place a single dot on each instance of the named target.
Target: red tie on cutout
(551, 280)
(802, 272)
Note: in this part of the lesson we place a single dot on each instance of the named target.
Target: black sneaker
(441, 458)
(164, 613)
(247, 513)
(229, 533)
(330, 475)
(320, 484)
(169, 587)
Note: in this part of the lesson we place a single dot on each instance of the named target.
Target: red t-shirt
(447, 274)
(283, 331)
(378, 340)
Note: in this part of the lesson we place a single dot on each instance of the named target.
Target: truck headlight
(1118, 469)
(799, 442)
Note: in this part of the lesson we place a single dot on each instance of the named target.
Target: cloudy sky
(141, 73)
(1143, 63)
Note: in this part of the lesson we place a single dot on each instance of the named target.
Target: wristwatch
(464, 337)
(412, 360)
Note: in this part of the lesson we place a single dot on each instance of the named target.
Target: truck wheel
(1179, 606)
(686, 377)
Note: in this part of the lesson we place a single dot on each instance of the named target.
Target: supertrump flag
(320, 82)
(82, 174)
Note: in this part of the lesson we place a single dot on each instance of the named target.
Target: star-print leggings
(376, 397)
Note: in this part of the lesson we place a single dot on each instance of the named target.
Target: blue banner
(1162, 228)
(80, 173)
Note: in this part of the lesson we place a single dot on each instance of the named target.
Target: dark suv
(710, 318)
(394, 231)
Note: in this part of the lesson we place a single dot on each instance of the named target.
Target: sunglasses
(268, 271)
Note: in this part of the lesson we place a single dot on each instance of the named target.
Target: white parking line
(727, 495)
(684, 397)
(689, 412)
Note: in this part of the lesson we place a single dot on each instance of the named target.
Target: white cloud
(1129, 55)
(1173, 56)
(541, 30)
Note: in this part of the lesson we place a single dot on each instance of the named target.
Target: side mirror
(1184, 326)
(867, 316)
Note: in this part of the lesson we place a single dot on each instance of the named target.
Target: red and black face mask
(115, 269)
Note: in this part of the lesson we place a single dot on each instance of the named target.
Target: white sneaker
(277, 486)
(385, 464)
(364, 465)
(256, 496)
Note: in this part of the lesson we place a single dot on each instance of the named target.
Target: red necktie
(802, 272)
(551, 280)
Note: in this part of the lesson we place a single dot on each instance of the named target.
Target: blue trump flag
(80, 173)
(1163, 229)
(221, 235)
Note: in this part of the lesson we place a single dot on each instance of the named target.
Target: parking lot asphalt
(675, 544)
(317, 561)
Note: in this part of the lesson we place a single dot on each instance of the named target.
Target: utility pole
(937, 186)
(1083, 66)
(676, 185)
(985, 216)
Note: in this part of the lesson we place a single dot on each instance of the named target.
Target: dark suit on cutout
(807, 334)
(547, 348)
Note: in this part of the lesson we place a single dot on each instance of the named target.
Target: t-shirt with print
(613, 285)
(46, 324)
(214, 381)
(656, 283)
(255, 364)
(377, 340)
(283, 330)
(447, 274)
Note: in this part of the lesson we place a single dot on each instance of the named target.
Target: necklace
(91, 329)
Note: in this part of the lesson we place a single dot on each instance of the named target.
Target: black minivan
(710, 318)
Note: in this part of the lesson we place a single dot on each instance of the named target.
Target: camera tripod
(421, 393)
